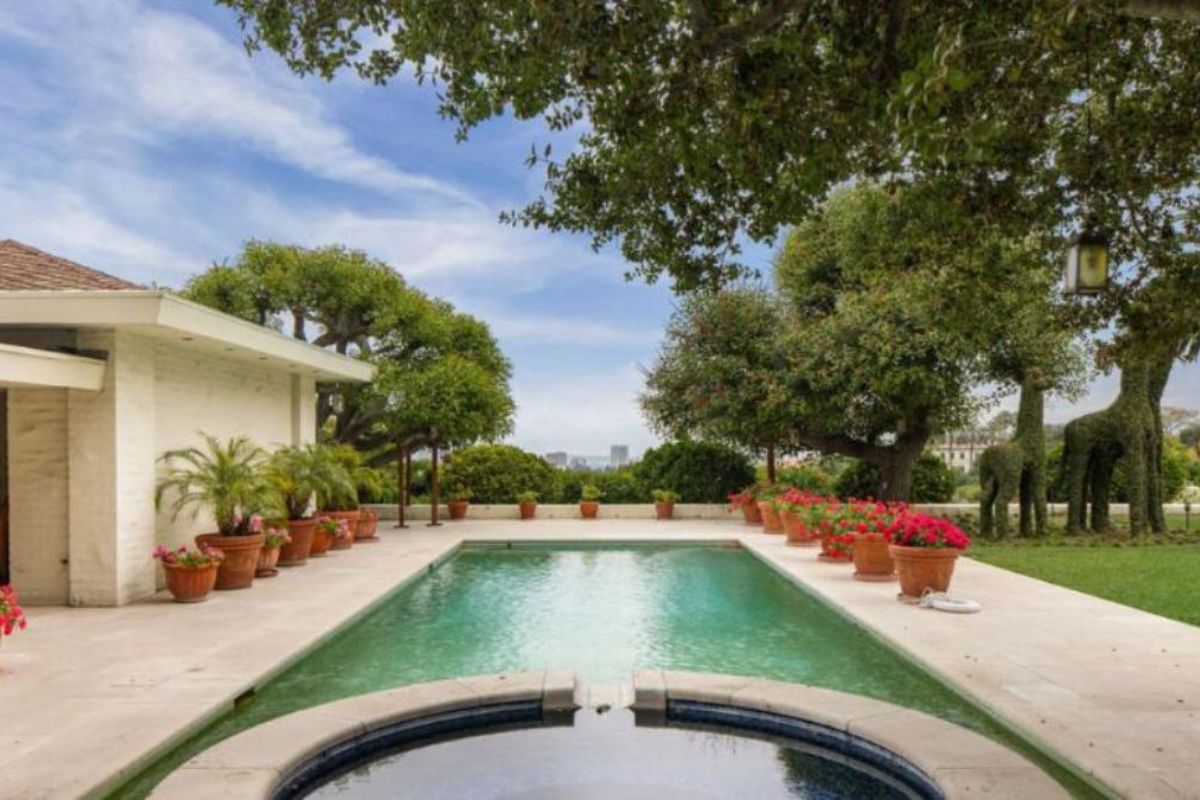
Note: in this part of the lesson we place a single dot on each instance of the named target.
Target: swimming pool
(601, 611)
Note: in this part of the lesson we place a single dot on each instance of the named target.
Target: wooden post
(401, 484)
(435, 487)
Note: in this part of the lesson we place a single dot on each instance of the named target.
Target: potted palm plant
(527, 503)
(664, 503)
(338, 499)
(227, 478)
(297, 474)
(589, 501)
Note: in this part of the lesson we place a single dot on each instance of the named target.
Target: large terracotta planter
(241, 558)
(295, 553)
(922, 568)
(798, 534)
(872, 561)
(364, 531)
(322, 541)
(350, 520)
(458, 509)
(190, 585)
(588, 509)
(770, 517)
(750, 514)
(664, 509)
(268, 557)
(528, 510)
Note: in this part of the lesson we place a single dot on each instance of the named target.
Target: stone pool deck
(89, 695)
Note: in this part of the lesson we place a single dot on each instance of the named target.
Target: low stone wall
(700, 510)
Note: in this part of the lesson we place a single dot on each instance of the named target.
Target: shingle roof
(23, 267)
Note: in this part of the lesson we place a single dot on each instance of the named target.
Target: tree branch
(1177, 10)
(762, 22)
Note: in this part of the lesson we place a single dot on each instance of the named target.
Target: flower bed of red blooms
(12, 616)
(840, 521)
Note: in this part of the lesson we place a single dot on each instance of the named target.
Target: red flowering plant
(923, 530)
(12, 616)
(185, 557)
(746, 497)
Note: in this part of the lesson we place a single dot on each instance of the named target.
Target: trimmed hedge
(933, 481)
(700, 472)
(497, 473)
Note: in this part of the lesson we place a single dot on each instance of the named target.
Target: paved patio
(89, 695)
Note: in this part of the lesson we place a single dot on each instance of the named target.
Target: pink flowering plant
(12, 616)
(275, 534)
(329, 525)
(185, 557)
(923, 530)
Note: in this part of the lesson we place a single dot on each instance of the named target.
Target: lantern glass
(1086, 269)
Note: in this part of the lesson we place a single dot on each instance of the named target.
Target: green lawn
(1162, 579)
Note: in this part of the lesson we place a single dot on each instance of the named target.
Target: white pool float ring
(941, 601)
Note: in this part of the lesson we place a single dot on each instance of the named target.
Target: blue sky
(140, 139)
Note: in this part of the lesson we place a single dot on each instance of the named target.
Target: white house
(98, 377)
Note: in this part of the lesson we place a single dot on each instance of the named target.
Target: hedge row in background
(933, 481)
(700, 472)
(497, 473)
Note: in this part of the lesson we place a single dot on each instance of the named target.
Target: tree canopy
(711, 122)
(441, 376)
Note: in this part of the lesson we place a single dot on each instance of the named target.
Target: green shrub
(497, 473)
(664, 496)
(617, 486)
(933, 481)
(805, 476)
(590, 493)
(700, 472)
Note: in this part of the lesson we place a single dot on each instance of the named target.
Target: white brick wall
(37, 448)
(84, 464)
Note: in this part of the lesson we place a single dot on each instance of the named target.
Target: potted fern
(226, 478)
(297, 474)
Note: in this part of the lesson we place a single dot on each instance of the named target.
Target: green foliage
(1190, 436)
(301, 473)
(720, 374)
(590, 493)
(497, 473)
(527, 497)
(709, 124)
(225, 477)
(933, 481)
(451, 400)
(664, 496)
(801, 476)
(700, 472)
(616, 486)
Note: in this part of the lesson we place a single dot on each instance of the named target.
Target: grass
(1155, 574)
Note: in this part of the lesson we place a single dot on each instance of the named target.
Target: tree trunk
(298, 324)
(771, 464)
(435, 487)
(896, 467)
(401, 483)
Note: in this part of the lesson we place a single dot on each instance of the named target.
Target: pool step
(604, 696)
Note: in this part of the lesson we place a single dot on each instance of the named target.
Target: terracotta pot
(342, 542)
(190, 585)
(458, 508)
(322, 541)
(830, 553)
(241, 558)
(872, 562)
(364, 529)
(770, 518)
(798, 534)
(751, 514)
(664, 509)
(528, 510)
(922, 568)
(588, 509)
(295, 553)
(268, 557)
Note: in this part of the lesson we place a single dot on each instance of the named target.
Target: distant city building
(618, 455)
(557, 459)
(960, 450)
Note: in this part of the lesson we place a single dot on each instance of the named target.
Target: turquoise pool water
(602, 612)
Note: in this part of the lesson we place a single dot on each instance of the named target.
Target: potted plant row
(241, 485)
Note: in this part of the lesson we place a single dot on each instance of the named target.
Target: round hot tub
(608, 755)
(687, 736)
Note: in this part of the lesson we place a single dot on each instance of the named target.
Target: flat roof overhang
(162, 315)
(27, 367)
